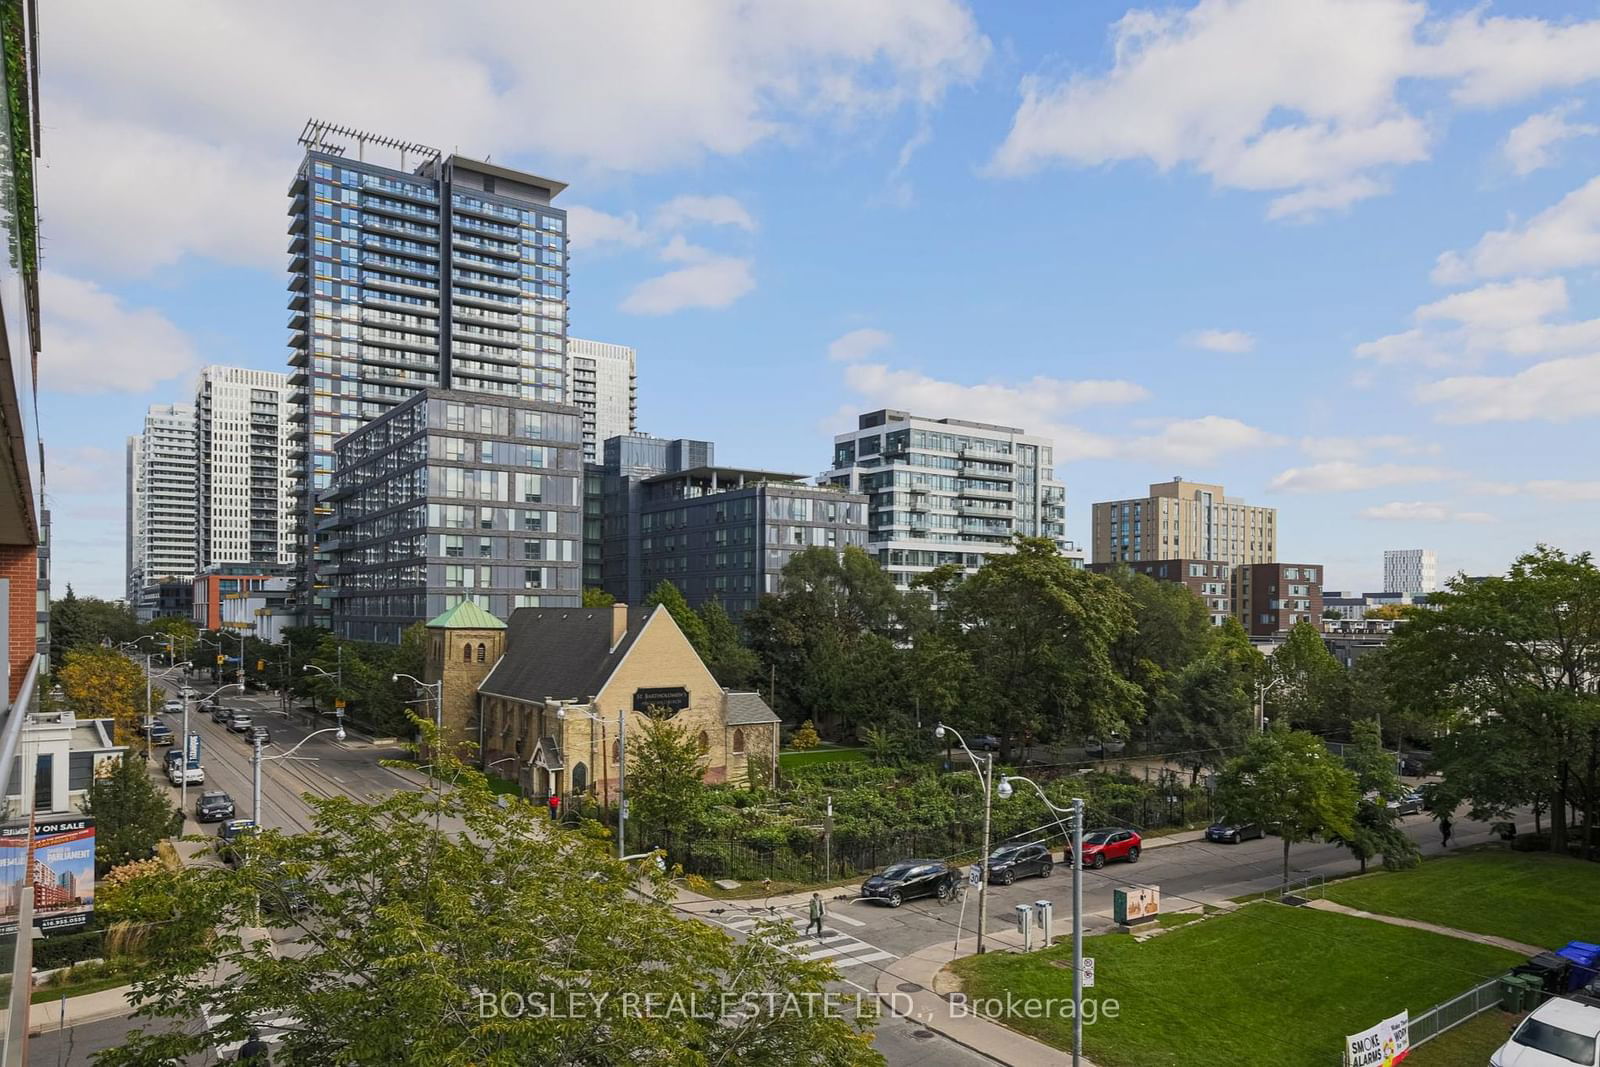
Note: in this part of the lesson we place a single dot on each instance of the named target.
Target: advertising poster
(61, 878)
(1384, 1045)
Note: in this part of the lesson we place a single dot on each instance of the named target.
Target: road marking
(872, 958)
(836, 917)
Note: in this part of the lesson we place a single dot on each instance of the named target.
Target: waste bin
(1553, 970)
(1585, 959)
(1533, 992)
(1511, 992)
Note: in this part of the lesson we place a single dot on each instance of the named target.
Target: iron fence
(1441, 1017)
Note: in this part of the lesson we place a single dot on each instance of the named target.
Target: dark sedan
(213, 807)
(1231, 833)
(229, 839)
(905, 881)
(1010, 862)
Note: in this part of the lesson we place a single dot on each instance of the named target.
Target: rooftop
(466, 615)
(737, 475)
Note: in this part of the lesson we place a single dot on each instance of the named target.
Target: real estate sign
(61, 876)
(1384, 1045)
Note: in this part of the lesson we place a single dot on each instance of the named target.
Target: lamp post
(622, 769)
(149, 714)
(338, 680)
(986, 779)
(1075, 843)
(257, 759)
(1261, 703)
(437, 691)
(183, 779)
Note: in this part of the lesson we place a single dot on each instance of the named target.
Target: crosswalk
(835, 946)
(271, 1030)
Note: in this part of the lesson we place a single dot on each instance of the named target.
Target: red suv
(1102, 846)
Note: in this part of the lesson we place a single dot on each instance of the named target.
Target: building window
(616, 752)
(482, 652)
(466, 653)
(580, 778)
(738, 742)
(704, 742)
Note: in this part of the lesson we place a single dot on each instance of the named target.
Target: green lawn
(1264, 986)
(1532, 897)
(810, 757)
(1473, 1042)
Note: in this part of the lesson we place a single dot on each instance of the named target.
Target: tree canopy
(1288, 782)
(102, 683)
(132, 813)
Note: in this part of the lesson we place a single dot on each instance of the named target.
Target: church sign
(659, 700)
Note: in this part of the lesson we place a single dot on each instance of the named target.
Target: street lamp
(149, 714)
(986, 779)
(437, 690)
(1075, 844)
(337, 675)
(622, 767)
(1261, 703)
(183, 779)
(257, 759)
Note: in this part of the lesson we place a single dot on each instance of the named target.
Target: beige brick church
(542, 697)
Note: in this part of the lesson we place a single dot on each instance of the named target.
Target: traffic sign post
(1088, 972)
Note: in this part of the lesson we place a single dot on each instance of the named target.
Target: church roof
(748, 709)
(466, 616)
(561, 653)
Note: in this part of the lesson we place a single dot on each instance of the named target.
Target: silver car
(1408, 803)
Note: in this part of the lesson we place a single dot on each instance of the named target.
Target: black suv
(233, 832)
(213, 807)
(1010, 862)
(901, 882)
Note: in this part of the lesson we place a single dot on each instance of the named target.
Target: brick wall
(20, 564)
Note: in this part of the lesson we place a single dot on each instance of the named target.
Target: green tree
(597, 598)
(1505, 667)
(132, 814)
(1311, 686)
(1210, 713)
(77, 622)
(668, 596)
(1172, 629)
(1375, 830)
(666, 780)
(1289, 782)
(1038, 634)
(734, 665)
(412, 936)
(102, 683)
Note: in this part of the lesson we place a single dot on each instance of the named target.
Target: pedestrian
(555, 807)
(817, 912)
(254, 1050)
(1444, 829)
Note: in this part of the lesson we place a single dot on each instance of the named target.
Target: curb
(38, 1023)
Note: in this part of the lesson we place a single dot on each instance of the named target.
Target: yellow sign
(338, 703)
(261, 664)
(220, 658)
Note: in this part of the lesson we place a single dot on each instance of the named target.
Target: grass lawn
(1473, 1042)
(1264, 986)
(51, 993)
(810, 757)
(1532, 897)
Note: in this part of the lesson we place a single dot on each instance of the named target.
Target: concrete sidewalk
(1415, 924)
(89, 1008)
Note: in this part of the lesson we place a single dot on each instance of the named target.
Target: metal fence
(1441, 1017)
(1310, 887)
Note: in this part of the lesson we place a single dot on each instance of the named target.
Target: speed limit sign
(975, 875)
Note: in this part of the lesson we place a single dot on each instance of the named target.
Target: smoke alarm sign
(1384, 1045)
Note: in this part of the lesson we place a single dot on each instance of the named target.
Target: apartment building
(948, 490)
(603, 382)
(245, 509)
(1208, 579)
(1271, 598)
(1410, 570)
(163, 466)
(1184, 520)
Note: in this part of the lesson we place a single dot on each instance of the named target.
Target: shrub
(61, 950)
(805, 737)
(1531, 842)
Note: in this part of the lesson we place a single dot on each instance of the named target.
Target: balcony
(986, 455)
(972, 470)
(398, 265)
(398, 339)
(988, 494)
(368, 280)
(402, 190)
(378, 317)
(495, 285)
(477, 262)
(498, 338)
(401, 227)
(983, 509)
(397, 210)
(484, 299)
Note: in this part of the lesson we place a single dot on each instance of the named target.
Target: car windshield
(1100, 838)
(898, 871)
(214, 798)
(1576, 1048)
(1005, 852)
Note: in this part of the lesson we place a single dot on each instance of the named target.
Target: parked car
(220, 713)
(282, 894)
(1010, 862)
(1558, 1033)
(1110, 746)
(212, 806)
(229, 838)
(239, 722)
(173, 707)
(1414, 764)
(179, 771)
(901, 882)
(1231, 833)
(1102, 846)
(160, 733)
(258, 733)
(1408, 803)
(986, 743)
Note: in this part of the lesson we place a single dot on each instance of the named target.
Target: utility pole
(1077, 930)
(255, 781)
(622, 782)
(983, 881)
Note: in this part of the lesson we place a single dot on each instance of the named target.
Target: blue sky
(1338, 255)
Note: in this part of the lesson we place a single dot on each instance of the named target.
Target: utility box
(1136, 905)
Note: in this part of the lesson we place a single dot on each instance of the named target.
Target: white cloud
(858, 344)
(1556, 390)
(683, 211)
(84, 469)
(1343, 476)
(1500, 304)
(1562, 236)
(1422, 511)
(1201, 440)
(1222, 340)
(1353, 448)
(1530, 144)
(1298, 99)
(1495, 317)
(94, 343)
(594, 231)
(1556, 489)
(708, 281)
(682, 81)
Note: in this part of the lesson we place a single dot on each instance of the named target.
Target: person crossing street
(817, 912)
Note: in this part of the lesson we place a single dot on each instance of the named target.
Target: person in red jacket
(555, 806)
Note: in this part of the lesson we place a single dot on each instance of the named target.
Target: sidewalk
(1448, 931)
(89, 1008)
(918, 978)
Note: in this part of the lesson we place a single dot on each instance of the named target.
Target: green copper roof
(466, 616)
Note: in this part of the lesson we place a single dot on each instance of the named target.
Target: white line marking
(836, 917)
(851, 961)
(822, 954)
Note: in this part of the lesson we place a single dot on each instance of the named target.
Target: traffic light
(220, 659)
(261, 665)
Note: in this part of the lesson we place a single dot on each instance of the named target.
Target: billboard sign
(191, 749)
(61, 878)
(1384, 1045)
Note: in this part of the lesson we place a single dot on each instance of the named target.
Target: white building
(58, 756)
(162, 469)
(1410, 570)
(949, 491)
(244, 479)
(603, 381)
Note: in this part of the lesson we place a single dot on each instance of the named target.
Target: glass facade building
(453, 496)
(949, 491)
(449, 273)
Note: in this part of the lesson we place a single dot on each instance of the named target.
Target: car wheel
(1008, 877)
(1235, 839)
(947, 890)
(1044, 872)
(1133, 854)
(1098, 861)
(895, 900)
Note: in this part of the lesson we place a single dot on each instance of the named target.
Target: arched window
(580, 778)
(616, 752)
(481, 652)
(704, 740)
(466, 653)
(738, 742)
